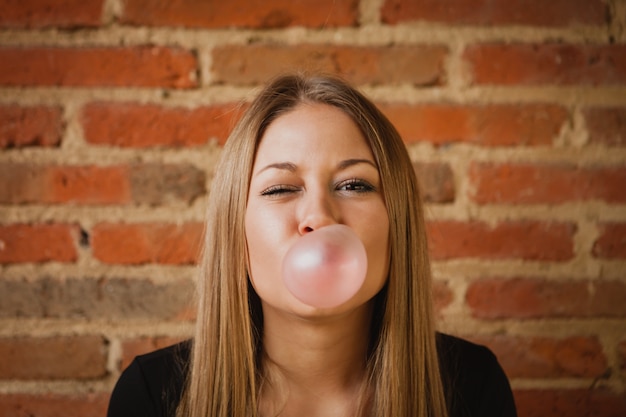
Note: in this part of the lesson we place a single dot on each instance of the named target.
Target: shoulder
(474, 381)
(152, 384)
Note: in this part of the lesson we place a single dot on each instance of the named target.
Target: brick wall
(113, 112)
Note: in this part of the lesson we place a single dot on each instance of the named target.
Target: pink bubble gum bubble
(326, 267)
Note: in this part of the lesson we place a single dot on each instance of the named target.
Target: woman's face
(313, 168)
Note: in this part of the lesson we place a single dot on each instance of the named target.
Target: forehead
(310, 130)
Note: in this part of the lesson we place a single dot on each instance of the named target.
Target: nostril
(308, 229)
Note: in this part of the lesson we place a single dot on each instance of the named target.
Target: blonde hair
(225, 370)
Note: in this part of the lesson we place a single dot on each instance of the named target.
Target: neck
(316, 366)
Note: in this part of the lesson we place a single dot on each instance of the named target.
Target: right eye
(278, 190)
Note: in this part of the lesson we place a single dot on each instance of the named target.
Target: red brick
(436, 182)
(397, 64)
(497, 12)
(52, 358)
(141, 183)
(138, 126)
(592, 402)
(545, 184)
(442, 296)
(37, 243)
(526, 298)
(530, 240)
(488, 125)
(91, 185)
(241, 13)
(46, 13)
(540, 64)
(543, 357)
(140, 66)
(606, 125)
(30, 126)
(621, 351)
(97, 299)
(54, 405)
(132, 244)
(611, 244)
(26, 183)
(140, 346)
(159, 184)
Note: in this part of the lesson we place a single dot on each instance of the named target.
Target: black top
(475, 384)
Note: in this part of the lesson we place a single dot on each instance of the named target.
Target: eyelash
(358, 186)
(276, 190)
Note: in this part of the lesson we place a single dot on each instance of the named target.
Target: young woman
(312, 152)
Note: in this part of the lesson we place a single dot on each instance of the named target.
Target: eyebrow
(291, 167)
(349, 162)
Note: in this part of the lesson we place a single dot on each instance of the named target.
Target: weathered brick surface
(525, 298)
(241, 13)
(606, 125)
(32, 183)
(47, 13)
(494, 12)
(30, 126)
(38, 243)
(398, 64)
(140, 66)
(139, 126)
(113, 114)
(540, 64)
(530, 240)
(570, 402)
(133, 244)
(442, 296)
(51, 358)
(621, 351)
(611, 244)
(158, 184)
(436, 182)
(546, 184)
(148, 183)
(487, 125)
(54, 405)
(95, 299)
(542, 357)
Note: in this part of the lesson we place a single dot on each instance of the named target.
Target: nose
(316, 210)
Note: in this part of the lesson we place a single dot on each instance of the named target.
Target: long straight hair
(225, 373)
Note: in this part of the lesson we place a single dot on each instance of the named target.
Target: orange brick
(570, 402)
(399, 64)
(30, 126)
(52, 358)
(139, 126)
(488, 13)
(611, 244)
(47, 13)
(606, 125)
(525, 298)
(140, 66)
(545, 184)
(54, 405)
(241, 13)
(37, 243)
(133, 244)
(489, 125)
(544, 64)
(530, 240)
